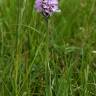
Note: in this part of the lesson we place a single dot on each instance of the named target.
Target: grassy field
(24, 49)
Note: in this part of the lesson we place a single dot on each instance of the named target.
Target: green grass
(24, 68)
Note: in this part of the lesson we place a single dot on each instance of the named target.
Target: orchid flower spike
(47, 7)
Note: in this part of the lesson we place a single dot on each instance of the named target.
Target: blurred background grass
(72, 49)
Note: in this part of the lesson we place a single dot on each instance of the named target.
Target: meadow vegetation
(23, 34)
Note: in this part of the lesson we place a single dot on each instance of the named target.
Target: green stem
(47, 66)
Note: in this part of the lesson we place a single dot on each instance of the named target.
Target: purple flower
(47, 7)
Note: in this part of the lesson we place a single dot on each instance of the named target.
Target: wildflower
(47, 7)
